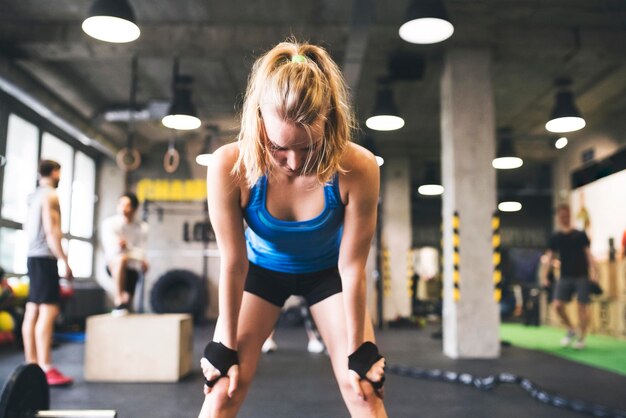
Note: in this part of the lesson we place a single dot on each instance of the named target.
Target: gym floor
(293, 383)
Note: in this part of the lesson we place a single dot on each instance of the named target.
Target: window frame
(9, 105)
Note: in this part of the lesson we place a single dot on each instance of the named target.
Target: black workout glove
(362, 360)
(220, 357)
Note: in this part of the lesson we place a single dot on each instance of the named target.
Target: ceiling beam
(66, 41)
(358, 32)
(33, 94)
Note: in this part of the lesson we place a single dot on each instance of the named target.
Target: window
(81, 221)
(20, 171)
(76, 193)
(13, 248)
(52, 148)
(81, 257)
(83, 192)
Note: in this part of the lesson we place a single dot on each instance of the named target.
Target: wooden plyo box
(138, 348)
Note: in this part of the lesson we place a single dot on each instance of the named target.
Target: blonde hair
(301, 91)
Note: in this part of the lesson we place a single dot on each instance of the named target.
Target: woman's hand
(219, 361)
(367, 366)
(211, 373)
(375, 377)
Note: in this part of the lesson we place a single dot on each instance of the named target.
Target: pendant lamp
(431, 185)
(427, 22)
(182, 114)
(505, 157)
(385, 116)
(111, 21)
(565, 116)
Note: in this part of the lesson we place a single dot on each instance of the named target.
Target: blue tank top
(294, 246)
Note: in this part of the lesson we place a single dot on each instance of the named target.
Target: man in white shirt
(124, 242)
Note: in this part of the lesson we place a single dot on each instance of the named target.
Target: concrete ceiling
(532, 43)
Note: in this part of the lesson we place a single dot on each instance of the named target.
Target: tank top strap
(331, 189)
(257, 192)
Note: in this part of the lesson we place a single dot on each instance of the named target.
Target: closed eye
(275, 147)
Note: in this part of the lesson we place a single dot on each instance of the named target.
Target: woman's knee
(219, 394)
(369, 406)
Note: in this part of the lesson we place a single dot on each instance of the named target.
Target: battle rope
(489, 382)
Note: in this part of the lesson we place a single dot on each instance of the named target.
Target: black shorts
(275, 287)
(567, 286)
(131, 278)
(44, 280)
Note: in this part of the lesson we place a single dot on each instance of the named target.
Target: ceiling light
(507, 163)
(431, 186)
(380, 161)
(204, 159)
(427, 23)
(565, 116)
(385, 116)
(506, 158)
(560, 143)
(509, 206)
(182, 113)
(430, 189)
(111, 21)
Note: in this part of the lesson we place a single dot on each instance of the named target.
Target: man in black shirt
(577, 269)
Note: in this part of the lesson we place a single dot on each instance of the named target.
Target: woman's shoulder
(223, 161)
(226, 153)
(357, 160)
(224, 158)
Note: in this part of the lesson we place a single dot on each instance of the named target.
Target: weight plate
(25, 392)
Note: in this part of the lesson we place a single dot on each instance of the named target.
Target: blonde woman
(309, 197)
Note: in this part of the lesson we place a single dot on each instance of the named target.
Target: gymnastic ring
(122, 159)
(171, 160)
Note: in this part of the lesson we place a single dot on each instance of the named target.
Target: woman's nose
(294, 161)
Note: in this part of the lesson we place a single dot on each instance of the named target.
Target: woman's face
(290, 143)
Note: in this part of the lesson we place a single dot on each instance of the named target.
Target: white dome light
(384, 122)
(510, 206)
(561, 143)
(565, 124)
(181, 122)
(430, 189)
(507, 163)
(111, 29)
(427, 30)
(204, 159)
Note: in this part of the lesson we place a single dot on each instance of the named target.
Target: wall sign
(171, 190)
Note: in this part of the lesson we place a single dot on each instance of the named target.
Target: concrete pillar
(470, 314)
(396, 236)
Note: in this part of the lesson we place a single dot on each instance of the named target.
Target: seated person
(124, 241)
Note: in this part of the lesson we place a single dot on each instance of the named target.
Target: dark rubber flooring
(293, 383)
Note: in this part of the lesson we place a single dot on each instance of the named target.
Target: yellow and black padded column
(386, 267)
(496, 243)
(456, 243)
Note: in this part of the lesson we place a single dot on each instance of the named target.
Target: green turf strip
(603, 352)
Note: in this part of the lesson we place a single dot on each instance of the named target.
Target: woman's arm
(361, 184)
(224, 200)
